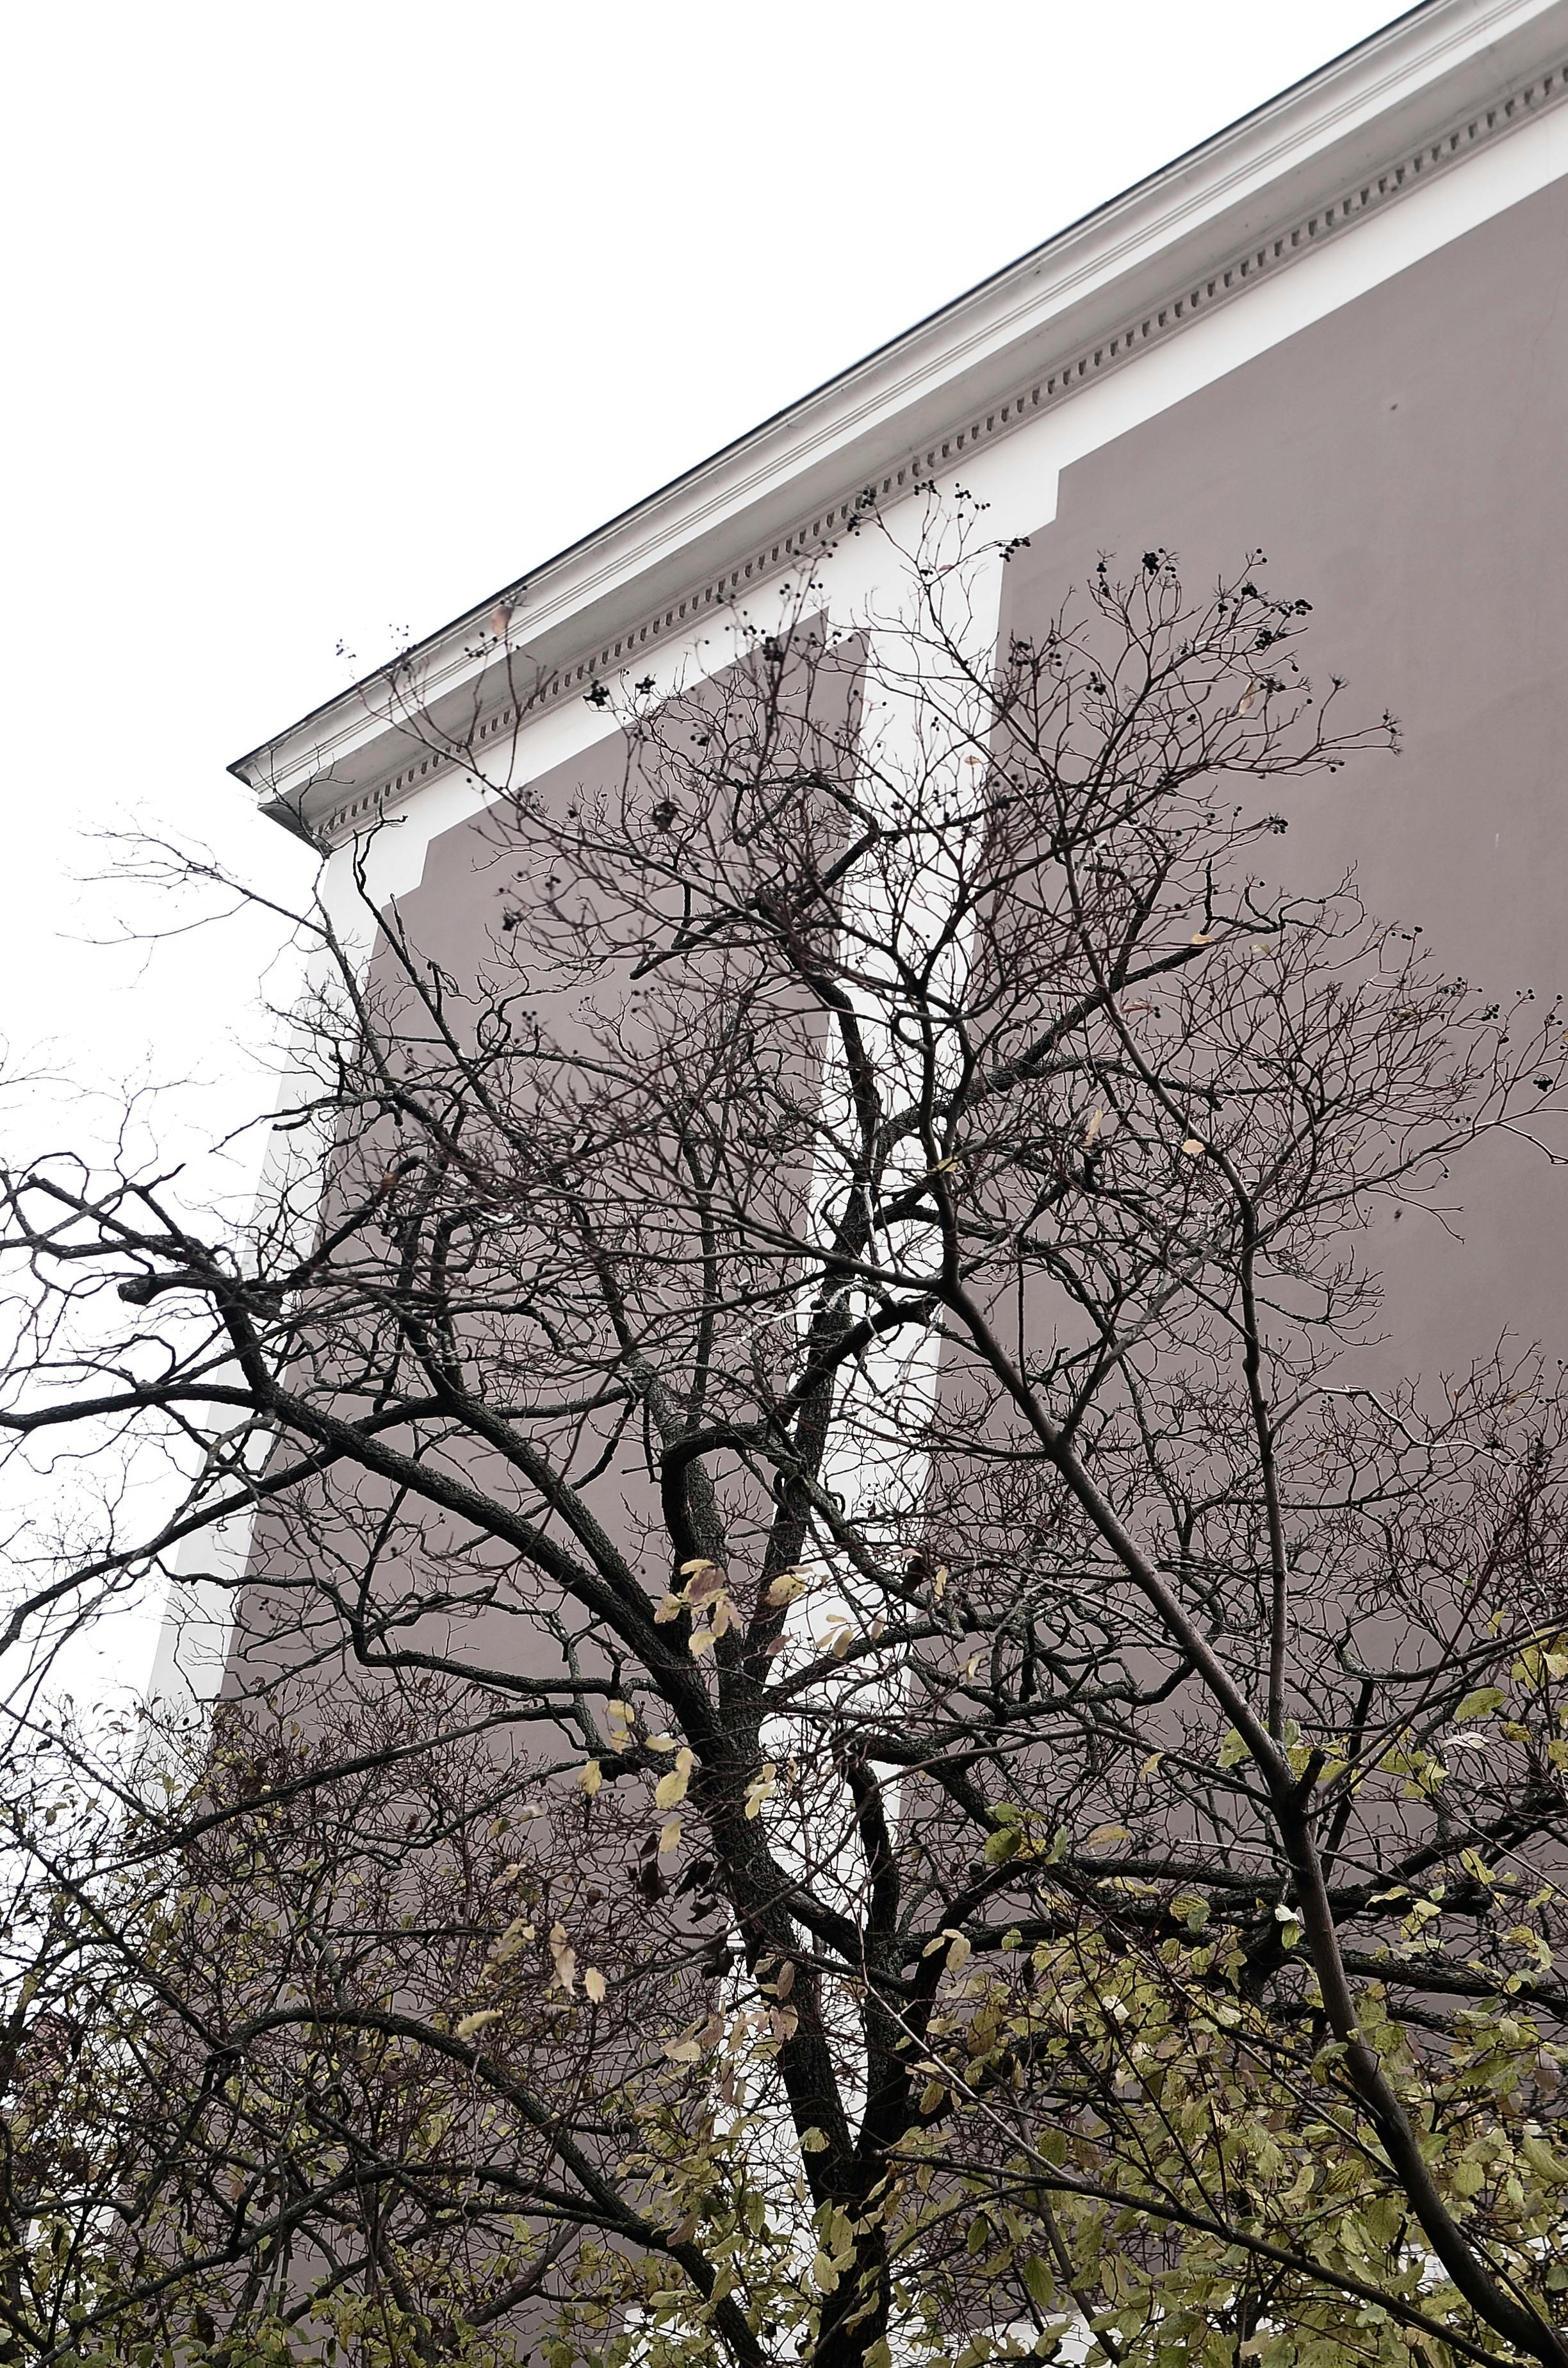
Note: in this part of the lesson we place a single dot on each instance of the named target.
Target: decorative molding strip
(1352, 205)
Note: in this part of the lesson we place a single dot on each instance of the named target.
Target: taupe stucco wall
(1403, 463)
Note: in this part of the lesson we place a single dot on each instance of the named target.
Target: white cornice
(1411, 102)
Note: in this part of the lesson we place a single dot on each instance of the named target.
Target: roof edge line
(1468, 25)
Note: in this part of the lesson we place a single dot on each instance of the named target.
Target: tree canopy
(861, 1728)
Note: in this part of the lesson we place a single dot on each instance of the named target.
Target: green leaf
(1039, 2282)
(1543, 2162)
(1481, 1704)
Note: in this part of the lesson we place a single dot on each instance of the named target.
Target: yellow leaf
(669, 1836)
(472, 2022)
(661, 1743)
(670, 1608)
(1096, 1119)
(671, 1788)
(1101, 1837)
(958, 1953)
(590, 1776)
(1191, 1148)
(594, 1982)
(784, 1588)
(698, 1562)
(1204, 938)
(511, 1941)
(563, 1956)
(702, 1641)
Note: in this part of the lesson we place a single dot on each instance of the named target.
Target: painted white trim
(1361, 134)
(1018, 475)
(1019, 478)
(196, 1624)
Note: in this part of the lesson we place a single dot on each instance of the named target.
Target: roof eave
(1355, 114)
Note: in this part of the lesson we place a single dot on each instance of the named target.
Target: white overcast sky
(326, 320)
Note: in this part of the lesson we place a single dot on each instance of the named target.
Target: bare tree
(856, 1732)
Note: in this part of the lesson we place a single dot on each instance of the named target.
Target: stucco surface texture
(1403, 465)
